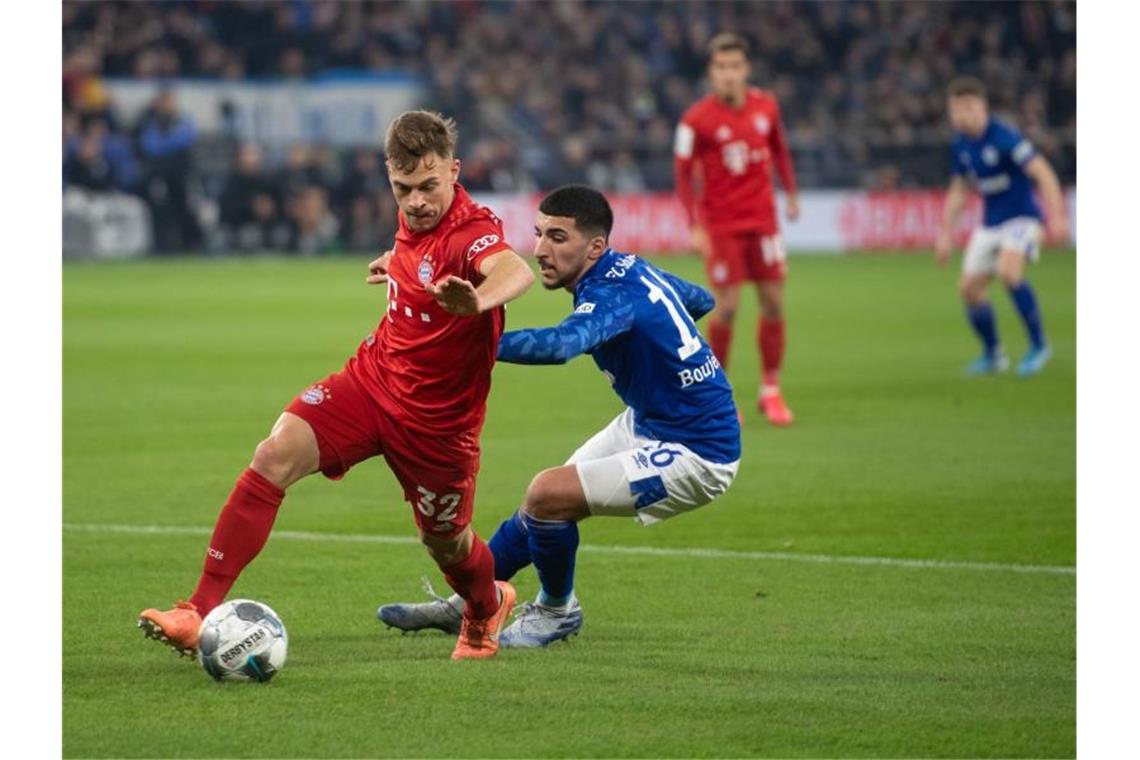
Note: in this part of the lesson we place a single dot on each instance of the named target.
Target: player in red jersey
(730, 140)
(415, 393)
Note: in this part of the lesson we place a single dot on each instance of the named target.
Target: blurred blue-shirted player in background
(676, 447)
(1003, 166)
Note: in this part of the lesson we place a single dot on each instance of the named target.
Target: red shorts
(436, 472)
(737, 257)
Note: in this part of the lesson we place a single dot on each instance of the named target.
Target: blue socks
(981, 318)
(553, 547)
(1026, 303)
(510, 547)
(551, 544)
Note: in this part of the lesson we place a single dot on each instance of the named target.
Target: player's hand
(700, 241)
(943, 244)
(455, 295)
(378, 269)
(1058, 229)
(793, 208)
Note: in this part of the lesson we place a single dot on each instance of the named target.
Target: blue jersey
(995, 164)
(638, 323)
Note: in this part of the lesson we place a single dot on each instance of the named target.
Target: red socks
(770, 338)
(474, 580)
(720, 338)
(239, 534)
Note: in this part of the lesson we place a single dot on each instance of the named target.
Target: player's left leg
(438, 478)
(769, 272)
(510, 546)
(652, 482)
(1011, 269)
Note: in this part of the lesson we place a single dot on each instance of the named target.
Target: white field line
(639, 551)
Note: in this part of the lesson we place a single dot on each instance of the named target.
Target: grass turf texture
(174, 370)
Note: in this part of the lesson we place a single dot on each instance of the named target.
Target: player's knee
(1010, 275)
(447, 550)
(726, 314)
(772, 310)
(970, 291)
(540, 500)
(273, 460)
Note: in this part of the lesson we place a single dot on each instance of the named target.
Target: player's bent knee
(447, 550)
(282, 463)
(552, 496)
(971, 290)
(725, 315)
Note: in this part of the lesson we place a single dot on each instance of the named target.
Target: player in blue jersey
(1003, 166)
(675, 448)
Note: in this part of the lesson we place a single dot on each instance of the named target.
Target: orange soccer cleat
(772, 406)
(480, 638)
(177, 627)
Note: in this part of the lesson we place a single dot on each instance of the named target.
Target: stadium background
(893, 575)
(267, 138)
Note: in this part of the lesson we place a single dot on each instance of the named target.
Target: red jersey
(736, 149)
(429, 368)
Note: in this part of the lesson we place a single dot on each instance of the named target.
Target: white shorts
(1021, 234)
(627, 475)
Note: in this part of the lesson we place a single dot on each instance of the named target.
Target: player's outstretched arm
(698, 301)
(582, 331)
(955, 200)
(1056, 219)
(507, 277)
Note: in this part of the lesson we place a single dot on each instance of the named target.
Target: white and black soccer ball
(242, 640)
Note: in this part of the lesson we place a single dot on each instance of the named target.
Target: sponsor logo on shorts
(699, 374)
(316, 395)
(481, 245)
(641, 459)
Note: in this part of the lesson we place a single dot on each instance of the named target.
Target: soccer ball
(242, 640)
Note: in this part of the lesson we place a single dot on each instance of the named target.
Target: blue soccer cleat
(537, 626)
(988, 364)
(1034, 361)
(440, 613)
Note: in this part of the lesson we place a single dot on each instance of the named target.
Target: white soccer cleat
(537, 626)
(440, 613)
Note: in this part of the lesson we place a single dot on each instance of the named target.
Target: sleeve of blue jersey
(698, 301)
(956, 168)
(600, 316)
(1019, 148)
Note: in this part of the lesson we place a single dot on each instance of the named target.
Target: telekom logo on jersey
(393, 306)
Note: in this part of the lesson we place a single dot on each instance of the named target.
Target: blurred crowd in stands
(544, 93)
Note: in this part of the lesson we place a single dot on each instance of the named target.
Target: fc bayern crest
(760, 121)
(425, 271)
(316, 394)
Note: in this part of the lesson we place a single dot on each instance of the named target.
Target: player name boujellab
(700, 374)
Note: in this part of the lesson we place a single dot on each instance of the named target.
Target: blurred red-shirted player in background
(415, 392)
(733, 137)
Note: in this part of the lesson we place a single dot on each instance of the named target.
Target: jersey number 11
(690, 339)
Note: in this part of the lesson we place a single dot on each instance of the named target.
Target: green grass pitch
(174, 370)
